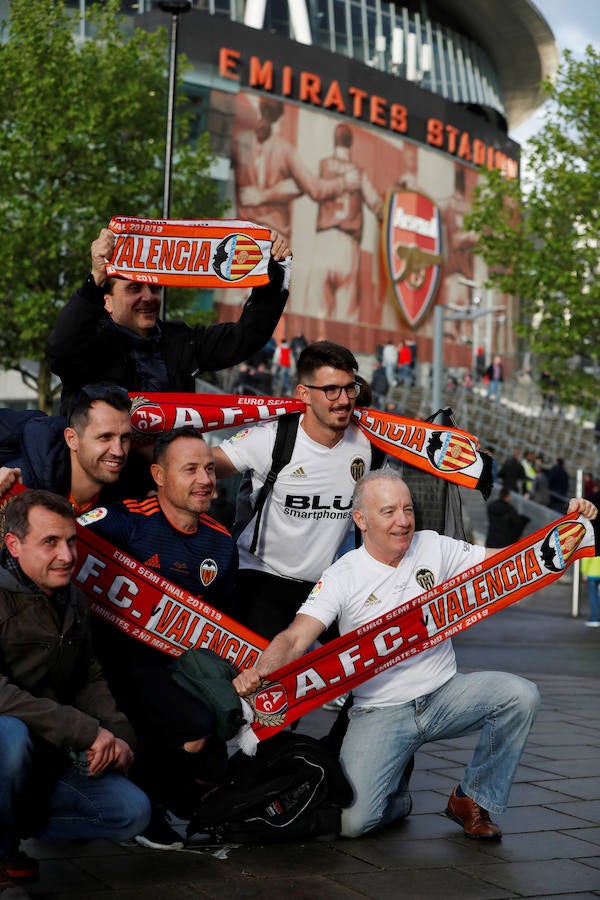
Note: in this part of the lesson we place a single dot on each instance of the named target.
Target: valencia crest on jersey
(357, 468)
(208, 571)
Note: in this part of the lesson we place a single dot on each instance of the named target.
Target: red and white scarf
(190, 252)
(422, 623)
(149, 608)
(448, 453)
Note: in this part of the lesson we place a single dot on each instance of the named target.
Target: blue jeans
(405, 374)
(282, 378)
(593, 586)
(76, 807)
(381, 740)
(494, 390)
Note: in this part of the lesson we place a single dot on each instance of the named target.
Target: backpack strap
(287, 429)
(377, 457)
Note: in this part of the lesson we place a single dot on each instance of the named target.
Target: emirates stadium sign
(412, 242)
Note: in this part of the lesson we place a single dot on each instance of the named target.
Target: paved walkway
(551, 844)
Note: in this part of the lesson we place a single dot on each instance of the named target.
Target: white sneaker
(593, 624)
(159, 835)
(335, 705)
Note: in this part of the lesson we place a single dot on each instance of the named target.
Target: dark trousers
(164, 716)
(267, 603)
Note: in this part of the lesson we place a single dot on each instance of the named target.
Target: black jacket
(49, 676)
(512, 475)
(85, 348)
(34, 443)
(379, 382)
(506, 524)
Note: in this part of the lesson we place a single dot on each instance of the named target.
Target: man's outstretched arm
(577, 505)
(285, 646)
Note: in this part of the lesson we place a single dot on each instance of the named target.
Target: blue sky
(575, 23)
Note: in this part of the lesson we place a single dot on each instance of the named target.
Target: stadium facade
(360, 129)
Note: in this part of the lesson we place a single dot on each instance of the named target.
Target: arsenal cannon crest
(412, 241)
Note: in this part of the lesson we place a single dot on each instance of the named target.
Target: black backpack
(292, 789)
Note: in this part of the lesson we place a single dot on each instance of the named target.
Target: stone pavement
(551, 844)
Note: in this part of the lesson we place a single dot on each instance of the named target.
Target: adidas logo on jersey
(372, 600)
(298, 473)
(153, 562)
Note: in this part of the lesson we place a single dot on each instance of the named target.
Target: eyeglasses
(334, 391)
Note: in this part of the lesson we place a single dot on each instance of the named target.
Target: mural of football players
(270, 172)
(333, 280)
(459, 264)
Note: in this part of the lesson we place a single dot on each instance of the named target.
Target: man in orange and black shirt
(171, 534)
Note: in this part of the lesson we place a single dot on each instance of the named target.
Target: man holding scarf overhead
(110, 330)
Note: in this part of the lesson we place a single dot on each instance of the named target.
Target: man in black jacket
(59, 723)
(84, 458)
(110, 330)
(506, 524)
(512, 474)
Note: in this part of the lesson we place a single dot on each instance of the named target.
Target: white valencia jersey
(358, 588)
(309, 510)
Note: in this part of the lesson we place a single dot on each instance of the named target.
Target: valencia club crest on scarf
(560, 544)
(236, 257)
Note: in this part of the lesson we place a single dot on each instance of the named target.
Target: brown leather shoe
(475, 820)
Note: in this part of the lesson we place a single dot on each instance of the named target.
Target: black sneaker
(159, 835)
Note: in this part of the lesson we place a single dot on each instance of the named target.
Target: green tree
(82, 125)
(540, 237)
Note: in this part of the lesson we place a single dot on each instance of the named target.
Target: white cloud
(575, 25)
(570, 36)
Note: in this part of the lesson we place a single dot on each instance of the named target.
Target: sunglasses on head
(102, 391)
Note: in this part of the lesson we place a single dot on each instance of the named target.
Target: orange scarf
(190, 253)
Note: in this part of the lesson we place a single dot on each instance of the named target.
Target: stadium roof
(519, 41)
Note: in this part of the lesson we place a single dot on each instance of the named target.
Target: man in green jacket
(64, 747)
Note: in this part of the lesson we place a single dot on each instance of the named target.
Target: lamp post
(176, 8)
(475, 300)
(441, 315)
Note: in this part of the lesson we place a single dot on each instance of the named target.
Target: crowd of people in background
(528, 473)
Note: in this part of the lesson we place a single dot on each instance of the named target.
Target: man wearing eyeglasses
(82, 459)
(308, 512)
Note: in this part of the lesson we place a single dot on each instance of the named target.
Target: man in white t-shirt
(423, 698)
(309, 510)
